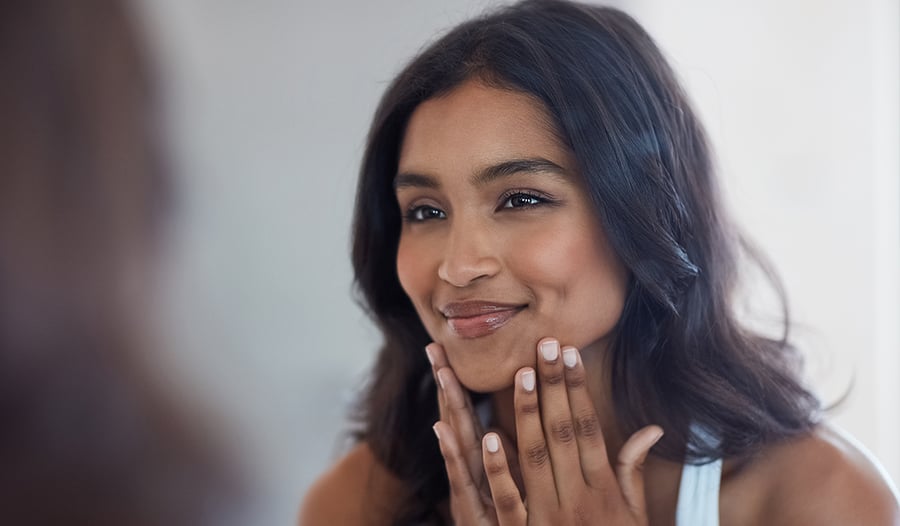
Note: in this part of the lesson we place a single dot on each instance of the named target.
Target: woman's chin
(486, 379)
(488, 367)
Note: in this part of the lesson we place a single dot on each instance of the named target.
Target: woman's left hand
(562, 455)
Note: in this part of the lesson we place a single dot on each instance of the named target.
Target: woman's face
(500, 245)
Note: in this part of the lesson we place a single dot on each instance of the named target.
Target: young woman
(539, 237)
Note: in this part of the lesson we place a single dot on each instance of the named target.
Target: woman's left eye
(522, 200)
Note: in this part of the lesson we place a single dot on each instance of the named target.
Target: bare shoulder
(357, 490)
(824, 478)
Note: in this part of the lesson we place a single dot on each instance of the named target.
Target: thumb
(630, 469)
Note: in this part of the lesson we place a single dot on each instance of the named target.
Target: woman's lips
(477, 319)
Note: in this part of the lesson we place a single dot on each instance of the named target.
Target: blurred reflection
(89, 434)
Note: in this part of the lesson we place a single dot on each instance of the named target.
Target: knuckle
(629, 464)
(456, 401)
(587, 425)
(537, 455)
(507, 502)
(582, 515)
(576, 379)
(495, 469)
(530, 407)
(563, 431)
(554, 378)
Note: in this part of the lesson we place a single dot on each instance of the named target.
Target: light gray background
(269, 102)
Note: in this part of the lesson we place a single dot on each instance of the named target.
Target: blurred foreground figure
(88, 433)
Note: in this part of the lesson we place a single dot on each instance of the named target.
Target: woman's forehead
(478, 125)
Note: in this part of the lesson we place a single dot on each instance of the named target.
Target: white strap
(698, 495)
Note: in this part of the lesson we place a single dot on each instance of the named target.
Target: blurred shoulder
(357, 490)
(823, 477)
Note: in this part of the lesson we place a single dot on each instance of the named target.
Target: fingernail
(436, 433)
(441, 374)
(550, 350)
(492, 443)
(429, 354)
(659, 436)
(570, 357)
(528, 380)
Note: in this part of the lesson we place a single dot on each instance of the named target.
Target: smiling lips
(474, 319)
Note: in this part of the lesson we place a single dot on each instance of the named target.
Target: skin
(526, 238)
(558, 456)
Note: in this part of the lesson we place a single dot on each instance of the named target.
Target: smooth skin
(530, 238)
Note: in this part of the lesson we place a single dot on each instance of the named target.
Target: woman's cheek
(406, 268)
(413, 271)
(550, 255)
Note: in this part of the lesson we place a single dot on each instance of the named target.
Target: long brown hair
(88, 433)
(680, 357)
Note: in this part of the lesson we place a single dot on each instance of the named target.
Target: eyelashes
(522, 200)
(510, 200)
(422, 213)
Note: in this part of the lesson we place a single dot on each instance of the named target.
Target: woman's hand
(562, 454)
(463, 432)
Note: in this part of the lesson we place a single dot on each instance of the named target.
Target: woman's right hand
(461, 430)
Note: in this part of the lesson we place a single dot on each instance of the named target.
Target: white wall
(801, 99)
(270, 101)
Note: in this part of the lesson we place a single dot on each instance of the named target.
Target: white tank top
(698, 495)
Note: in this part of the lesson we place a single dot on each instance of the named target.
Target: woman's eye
(424, 213)
(521, 200)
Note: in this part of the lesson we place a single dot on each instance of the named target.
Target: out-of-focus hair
(89, 434)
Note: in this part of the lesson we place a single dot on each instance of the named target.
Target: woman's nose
(469, 255)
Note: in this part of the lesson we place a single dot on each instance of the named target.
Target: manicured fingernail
(528, 380)
(430, 354)
(550, 350)
(436, 433)
(441, 374)
(492, 443)
(570, 357)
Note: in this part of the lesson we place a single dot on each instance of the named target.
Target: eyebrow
(532, 165)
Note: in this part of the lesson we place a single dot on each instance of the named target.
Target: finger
(534, 456)
(465, 498)
(556, 416)
(630, 469)
(464, 421)
(512, 457)
(588, 433)
(438, 359)
(504, 493)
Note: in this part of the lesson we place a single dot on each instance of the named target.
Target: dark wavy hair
(680, 358)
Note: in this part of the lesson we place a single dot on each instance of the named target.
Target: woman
(538, 218)
(91, 435)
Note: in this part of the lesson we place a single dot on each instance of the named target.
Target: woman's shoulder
(822, 477)
(357, 490)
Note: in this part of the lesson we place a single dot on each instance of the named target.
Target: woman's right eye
(424, 213)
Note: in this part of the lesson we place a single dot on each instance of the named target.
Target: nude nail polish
(570, 357)
(550, 350)
(528, 381)
(492, 443)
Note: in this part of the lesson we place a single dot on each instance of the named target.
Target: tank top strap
(698, 494)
